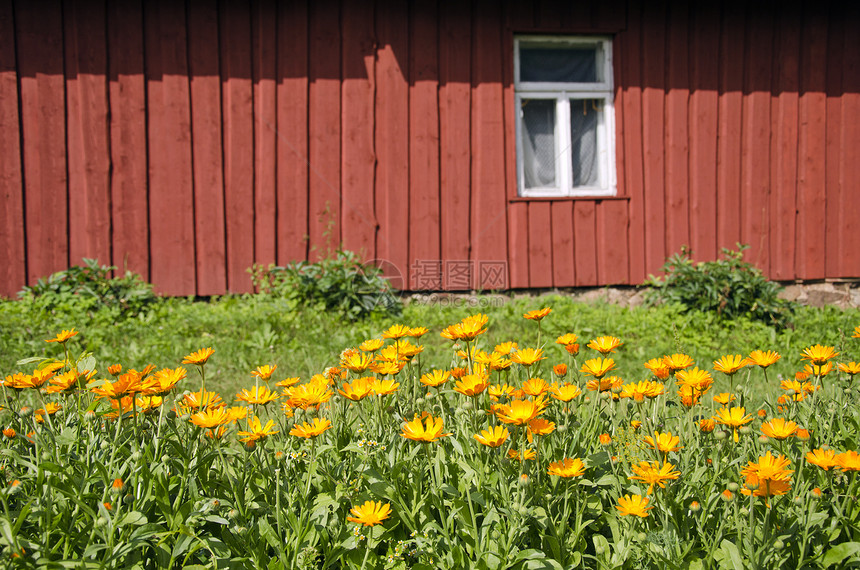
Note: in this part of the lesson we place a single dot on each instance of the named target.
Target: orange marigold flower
(258, 395)
(818, 354)
(634, 505)
(707, 425)
(311, 430)
(538, 314)
(264, 372)
(535, 386)
(677, 361)
(418, 332)
(652, 473)
(597, 367)
(724, 398)
(565, 393)
(779, 428)
(659, 368)
(114, 369)
(199, 357)
(396, 331)
(604, 384)
(471, 327)
(730, 363)
(520, 412)
(527, 455)
(427, 432)
(371, 345)
(568, 467)
(856, 332)
(605, 344)
(566, 339)
(528, 356)
(823, 458)
(63, 337)
(699, 380)
(9, 433)
(734, 417)
(560, 370)
(472, 384)
(638, 391)
(497, 391)
(851, 368)
(663, 442)
(202, 399)
(384, 387)
(763, 358)
(818, 369)
(163, 381)
(256, 431)
(505, 347)
(371, 513)
(210, 417)
(572, 349)
(287, 382)
(605, 439)
(494, 437)
(540, 426)
(358, 390)
(848, 461)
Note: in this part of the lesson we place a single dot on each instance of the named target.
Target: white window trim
(563, 93)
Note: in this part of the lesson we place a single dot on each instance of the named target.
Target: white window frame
(563, 93)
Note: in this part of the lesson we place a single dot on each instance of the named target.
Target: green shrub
(92, 287)
(729, 287)
(339, 283)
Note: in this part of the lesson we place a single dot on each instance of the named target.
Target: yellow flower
(699, 380)
(635, 505)
(603, 384)
(201, 399)
(768, 467)
(259, 395)
(472, 326)
(567, 339)
(435, 378)
(528, 356)
(256, 431)
(67, 381)
(418, 332)
(565, 393)
(264, 372)
(211, 417)
(818, 369)
(497, 361)
(763, 358)
(653, 473)
(779, 428)
(505, 348)
(200, 357)
(312, 394)
(358, 390)
(383, 387)
(848, 461)
(63, 337)
(540, 426)
(597, 367)
(129, 383)
(724, 398)
(472, 384)
(311, 430)
(638, 391)
(818, 354)
(396, 331)
(520, 412)
(851, 368)
(494, 437)
(163, 381)
(663, 442)
(677, 361)
(823, 458)
(371, 345)
(386, 368)
(568, 467)
(527, 455)
(856, 332)
(497, 391)
(287, 382)
(605, 439)
(730, 363)
(426, 432)
(538, 314)
(707, 425)
(370, 513)
(734, 417)
(406, 349)
(605, 344)
(535, 386)
(50, 409)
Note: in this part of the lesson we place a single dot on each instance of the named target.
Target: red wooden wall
(187, 141)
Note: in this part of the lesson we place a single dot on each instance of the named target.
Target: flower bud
(733, 487)
(721, 435)
(695, 506)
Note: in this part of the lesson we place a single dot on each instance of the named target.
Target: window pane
(584, 118)
(537, 134)
(558, 64)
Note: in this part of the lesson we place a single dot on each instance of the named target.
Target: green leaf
(732, 558)
(132, 518)
(839, 553)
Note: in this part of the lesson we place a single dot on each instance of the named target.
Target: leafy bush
(339, 283)
(729, 287)
(92, 287)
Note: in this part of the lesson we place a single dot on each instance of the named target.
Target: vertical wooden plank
(520, 17)
(563, 271)
(424, 215)
(585, 242)
(454, 129)
(755, 144)
(324, 128)
(13, 272)
(392, 134)
(128, 144)
(730, 119)
(629, 57)
(653, 129)
(540, 245)
(488, 226)
(783, 192)
(611, 234)
(704, 104)
(87, 132)
(171, 189)
(43, 124)
(264, 41)
(849, 218)
(676, 133)
(204, 68)
(810, 235)
(237, 112)
(833, 172)
(292, 131)
(358, 160)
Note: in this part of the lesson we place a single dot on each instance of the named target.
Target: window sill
(565, 198)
